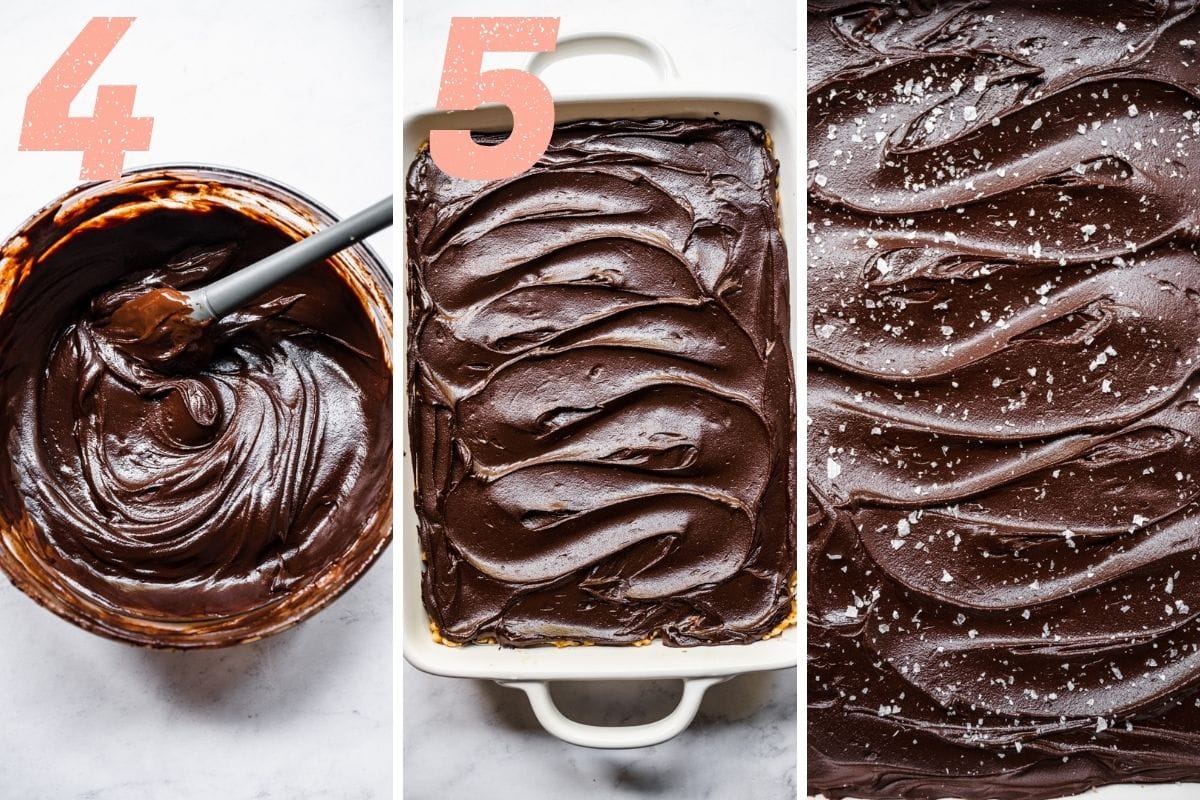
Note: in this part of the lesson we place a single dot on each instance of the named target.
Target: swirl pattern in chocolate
(1004, 398)
(601, 396)
(186, 490)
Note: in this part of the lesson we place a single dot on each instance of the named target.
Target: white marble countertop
(474, 739)
(299, 90)
(305, 715)
(468, 739)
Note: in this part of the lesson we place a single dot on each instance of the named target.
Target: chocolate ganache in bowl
(199, 496)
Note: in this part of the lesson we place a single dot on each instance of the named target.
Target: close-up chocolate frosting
(1004, 341)
(601, 393)
(174, 472)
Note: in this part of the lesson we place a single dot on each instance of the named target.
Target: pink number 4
(465, 86)
(105, 137)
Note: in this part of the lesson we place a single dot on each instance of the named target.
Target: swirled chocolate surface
(186, 489)
(1004, 329)
(602, 404)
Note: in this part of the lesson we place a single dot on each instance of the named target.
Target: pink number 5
(466, 86)
(103, 138)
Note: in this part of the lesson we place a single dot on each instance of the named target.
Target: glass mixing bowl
(28, 562)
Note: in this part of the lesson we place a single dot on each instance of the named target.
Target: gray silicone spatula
(238, 288)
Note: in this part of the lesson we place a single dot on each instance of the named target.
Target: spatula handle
(238, 288)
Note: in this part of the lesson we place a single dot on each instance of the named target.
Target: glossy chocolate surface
(1004, 339)
(601, 394)
(185, 489)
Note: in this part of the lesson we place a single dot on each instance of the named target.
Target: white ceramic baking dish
(532, 669)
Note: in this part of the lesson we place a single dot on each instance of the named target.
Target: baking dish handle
(646, 50)
(615, 737)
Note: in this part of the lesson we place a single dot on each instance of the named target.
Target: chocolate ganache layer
(193, 489)
(1004, 339)
(601, 394)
